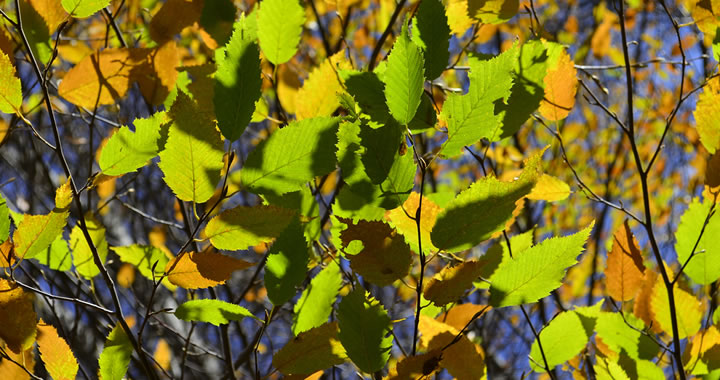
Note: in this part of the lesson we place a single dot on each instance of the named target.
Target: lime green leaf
(286, 265)
(499, 253)
(404, 78)
(316, 302)
(368, 91)
(305, 204)
(10, 88)
(537, 271)
(36, 232)
(562, 339)
(126, 151)
(292, 156)
(4, 220)
(704, 267)
(83, 8)
(237, 82)
(143, 257)
(57, 256)
(618, 336)
(115, 356)
(483, 209)
(312, 351)
(193, 155)
(432, 34)
(211, 311)
(242, 227)
(364, 324)
(82, 254)
(472, 116)
(493, 11)
(280, 24)
(36, 31)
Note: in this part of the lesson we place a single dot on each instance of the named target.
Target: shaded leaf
(242, 227)
(416, 367)
(432, 34)
(464, 360)
(286, 265)
(624, 274)
(627, 337)
(143, 258)
(311, 351)
(280, 23)
(493, 11)
(174, 16)
(364, 324)
(17, 317)
(194, 270)
(55, 353)
(317, 299)
(215, 312)
(57, 256)
(450, 283)
(400, 219)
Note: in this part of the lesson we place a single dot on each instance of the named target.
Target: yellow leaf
(464, 359)
(688, 309)
(162, 354)
(173, 17)
(625, 268)
(601, 39)
(17, 317)
(706, 114)
(82, 253)
(158, 75)
(10, 370)
(560, 88)
(549, 188)
(311, 351)
(10, 88)
(55, 353)
(407, 227)
(451, 283)
(287, 87)
(459, 315)
(416, 367)
(51, 11)
(194, 270)
(7, 257)
(74, 53)
(493, 11)
(318, 95)
(458, 19)
(703, 354)
(125, 275)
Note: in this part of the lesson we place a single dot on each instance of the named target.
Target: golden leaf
(312, 350)
(7, 257)
(625, 268)
(288, 84)
(451, 283)
(464, 359)
(17, 317)
(706, 114)
(125, 275)
(459, 315)
(416, 367)
(173, 17)
(601, 39)
(55, 353)
(318, 95)
(560, 88)
(549, 188)
(458, 18)
(51, 11)
(162, 354)
(10, 370)
(690, 313)
(407, 227)
(194, 270)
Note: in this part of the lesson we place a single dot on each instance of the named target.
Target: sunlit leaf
(703, 266)
(143, 258)
(194, 270)
(404, 78)
(464, 359)
(451, 282)
(36, 232)
(560, 88)
(318, 94)
(55, 353)
(286, 265)
(457, 16)
(311, 351)
(688, 310)
(10, 88)
(625, 334)
(280, 24)
(315, 305)
(242, 227)
(115, 356)
(18, 372)
(537, 271)
(83, 8)
(17, 317)
(624, 274)
(83, 256)
(400, 218)
(703, 354)
(549, 188)
(364, 326)
(216, 312)
(127, 151)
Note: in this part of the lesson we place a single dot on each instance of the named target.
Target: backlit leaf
(237, 81)
(704, 266)
(689, 320)
(450, 283)
(562, 339)
(624, 274)
(316, 302)
(560, 88)
(127, 151)
(318, 94)
(115, 356)
(627, 337)
(483, 209)
(399, 219)
(311, 351)
(51, 11)
(703, 354)
(537, 271)
(364, 326)
(143, 258)
(17, 372)
(55, 353)
(194, 270)
(193, 155)
(493, 11)
(36, 232)
(549, 188)
(280, 23)
(457, 16)
(286, 265)
(242, 227)
(57, 256)
(82, 253)
(292, 156)
(17, 317)
(4, 219)
(464, 360)
(706, 110)
(83, 8)
(432, 34)
(460, 314)
(211, 311)
(174, 16)
(10, 88)
(404, 78)
(416, 367)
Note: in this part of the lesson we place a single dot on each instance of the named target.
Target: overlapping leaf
(450, 283)
(17, 317)
(10, 88)
(701, 255)
(400, 218)
(432, 34)
(84, 8)
(549, 188)
(316, 302)
(143, 258)
(404, 78)
(688, 310)
(318, 95)
(625, 268)
(311, 351)
(83, 256)
(464, 360)
(286, 264)
(127, 151)
(115, 356)
(560, 88)
(364, 326)
(706, 110)
(194, 270)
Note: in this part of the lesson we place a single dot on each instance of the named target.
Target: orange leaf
(416, 367)
(459, 315)
(451, 283)
(173, 17)
(163, 354)
(407, 227)
(55, 353)
(560, 88)
(464, 359)
(157, 77)
(51, 11)
(625, 268)
(7, 257)
(10, 370)
(641, 306)
(17, 317)
(194, 270)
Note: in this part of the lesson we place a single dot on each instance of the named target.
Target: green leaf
(482, 210)
(369, 93)
(380, 148)
(242, 227)
(305, 204)
(280, 24)
(115, 357)
(36, 232)
(193, 155)
(127, 151)
(619, 336)
(537, 271)
(364, 324)
(472, 116)
(316, 302)
(237, 82)
(57, 256)
(286, 265)
(83, 8)
(425, 117)
(704, 266)
(312, 351)
(143, 257)
(432, 34)
(404, 78)
(292, 156)
(563, 338)
(10, 87)
(212, 311)
(4, 220)
(82, 254)
(499, 253)
(217, 19)
(36, 31)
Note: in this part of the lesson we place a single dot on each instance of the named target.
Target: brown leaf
(173, 17)
(451, 283)
(625, 268)
(194, 270)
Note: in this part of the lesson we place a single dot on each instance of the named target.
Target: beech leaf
(280, 23)
(216, 312)
(242, 227)
(311, 351)
(364, 326)
(194, 270)
(59, 360)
